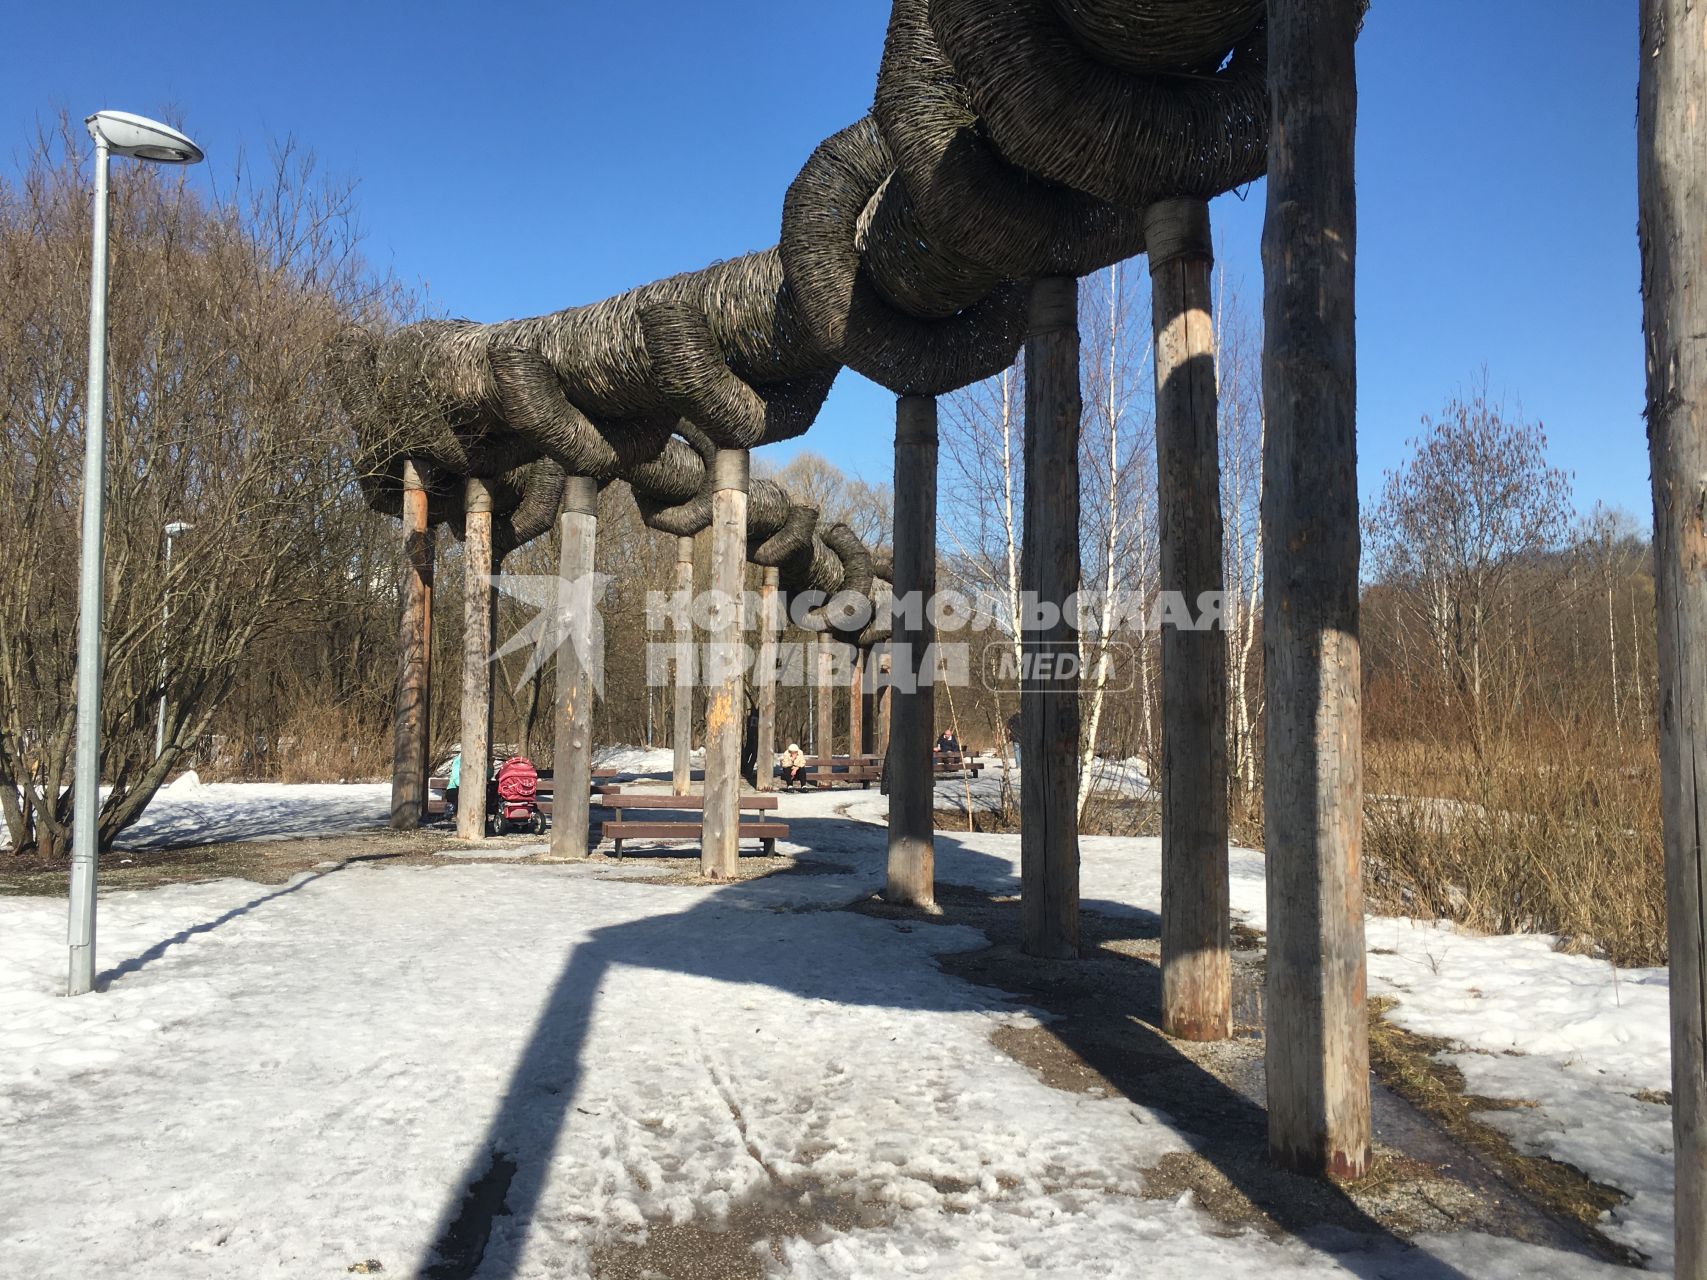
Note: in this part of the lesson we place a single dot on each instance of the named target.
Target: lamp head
(140, 138)
(177, 528)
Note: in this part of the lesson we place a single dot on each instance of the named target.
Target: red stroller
(518, 800)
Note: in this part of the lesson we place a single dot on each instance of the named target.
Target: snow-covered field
(288, 1081)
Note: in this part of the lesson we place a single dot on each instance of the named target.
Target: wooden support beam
(1317, 1034)
(1049, 574)
(770, 622)
(724, 715)
(912, 781)
(1197, 992)
(681, 733)
(856, 702)
(412, 717)
(1671, 139)
(880, 699)
(476, 660)
(824, 734)
(572, 755)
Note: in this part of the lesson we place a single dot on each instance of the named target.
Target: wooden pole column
(880, 699)
(856, 703)
(912, 779)
(1049, 575)
(823, 737)
(724, 715)
(412, 719)
(1671, 138)
(681, 736)
(1317, 1036)
(1197, 993)
(476, 660)
(578, 527)
(770, 620)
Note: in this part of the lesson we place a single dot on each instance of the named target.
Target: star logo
(568, 616)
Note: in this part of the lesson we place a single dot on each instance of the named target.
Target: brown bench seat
(621, 828)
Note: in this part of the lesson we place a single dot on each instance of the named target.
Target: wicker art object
(1008, 140)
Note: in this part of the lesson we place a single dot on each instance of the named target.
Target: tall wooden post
(1317, 1037)
(412, 718)
(880, 699)
(856, 703)
(1196, 963)
(824, 736)
(476, 660)
(578, 527)
(1049, 575)
(912, 781)
(724, 719)
(770, 622)
(1671, 140)
(681, 736)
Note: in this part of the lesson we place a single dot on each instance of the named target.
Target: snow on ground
(285, 1081)
(641, 759)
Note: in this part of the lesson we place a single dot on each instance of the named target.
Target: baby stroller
(517, 808)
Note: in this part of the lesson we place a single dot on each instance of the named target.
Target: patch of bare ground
(1409, 1065)
(1435, 1169)
(263, 861)
(273, 862)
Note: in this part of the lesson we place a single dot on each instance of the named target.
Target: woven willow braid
(1008, 139)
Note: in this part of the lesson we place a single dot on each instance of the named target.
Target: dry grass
(1556, 834)
(1407, 1064)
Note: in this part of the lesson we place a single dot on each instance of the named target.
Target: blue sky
(518, 156)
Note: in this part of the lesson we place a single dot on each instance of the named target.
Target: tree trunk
(476, 661)
(724, 715)
(412, 716)
(912, 782)
(1049, 574)
(1671, 140)
(1317, 1042)
(681, 738)
(572, 755)
(770, 621)
(1196, 962)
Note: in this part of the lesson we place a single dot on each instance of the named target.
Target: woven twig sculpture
(1009, 139)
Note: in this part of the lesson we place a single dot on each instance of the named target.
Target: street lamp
(176, 529)
(121, 133)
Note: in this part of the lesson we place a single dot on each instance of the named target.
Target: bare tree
(221, 417)
(1464, 525)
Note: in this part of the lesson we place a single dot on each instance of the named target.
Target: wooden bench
(619, 829)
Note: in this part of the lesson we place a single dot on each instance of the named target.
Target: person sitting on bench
(793, 765)
(948, 744)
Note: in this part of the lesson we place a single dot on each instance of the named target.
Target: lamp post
(173, 530)
(121, 133)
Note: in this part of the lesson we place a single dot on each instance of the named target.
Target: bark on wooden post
(476, 661)
(880, 699)
(770, 620)
(681, 736)
(1196, 965)
(724, 714)
(1671, 140)
(1049, 574)
(823, 736)
(856, 702)
(572, 770)
(412, 718)
(912, 781)
(1317, 1040)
